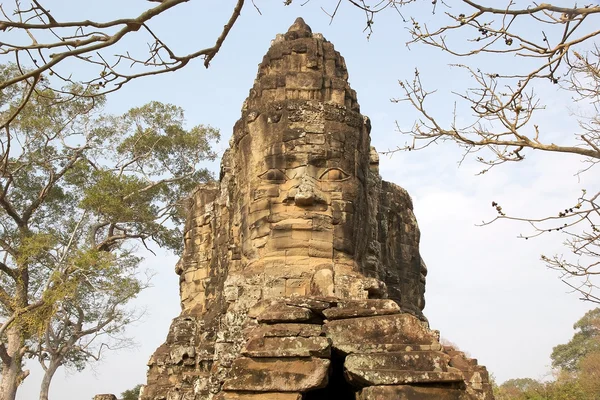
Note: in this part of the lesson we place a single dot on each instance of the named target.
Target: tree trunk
(48, 374)
(12, 372)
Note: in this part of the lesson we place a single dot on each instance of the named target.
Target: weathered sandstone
(301, 276)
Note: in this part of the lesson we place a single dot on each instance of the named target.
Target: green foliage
(519, 389)
(79, 191)
(589, 373)
(578, 376)
(585, 340)
(565, 387)
(131, 394)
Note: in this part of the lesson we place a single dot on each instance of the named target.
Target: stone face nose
(307, 193)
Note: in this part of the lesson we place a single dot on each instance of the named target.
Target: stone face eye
(334, 174)
(274, 175)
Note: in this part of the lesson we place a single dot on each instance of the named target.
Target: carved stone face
(300, 207)
(303, 185)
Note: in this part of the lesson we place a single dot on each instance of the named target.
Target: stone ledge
(371, 377)
(403, 361)
(257, 396)
(277, 375)
(358, 335)
(285, 330)
(411, 393)
(288, 347)
(362, 308)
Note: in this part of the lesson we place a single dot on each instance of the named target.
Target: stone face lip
(356, 334)
(410, 393)
(288, 347)
(276, 375)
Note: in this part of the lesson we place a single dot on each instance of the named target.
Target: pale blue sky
(487, 290)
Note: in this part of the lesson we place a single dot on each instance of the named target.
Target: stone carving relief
(301, 274)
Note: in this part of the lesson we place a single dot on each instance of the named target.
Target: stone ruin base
(307, 348)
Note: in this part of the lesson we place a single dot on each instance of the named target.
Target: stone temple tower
(301, 276)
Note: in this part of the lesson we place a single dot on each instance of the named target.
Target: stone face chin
(301, 275)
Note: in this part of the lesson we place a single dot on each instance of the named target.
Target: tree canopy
(131, 394)
(79, 191)
(586, 340)
(577, 367)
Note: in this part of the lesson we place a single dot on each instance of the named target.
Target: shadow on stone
(338, 387)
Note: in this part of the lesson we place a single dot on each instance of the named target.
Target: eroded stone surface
(359, 334)
(402, 360)
(282, 375)
(258, 396)
(288, 347)
(362, 308)
(411, 393)
(410, 367)
(105, 397)
(283, 330)
(284, 313)
(300, 229)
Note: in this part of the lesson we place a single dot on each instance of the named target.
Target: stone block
(257, 396)
(362, 308)
(182, 354)
(287, 242)
(460, 361)
(373, 377)
(317, 346)
(305, 80)
(260, 205)
(272, 374)
(435, 361)
(322, 249)
(285, 313)
(295, 290)
(322, 283)
(286, 330)
(407, 392)
(312, 303)
(359, 334)
(105, 397)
